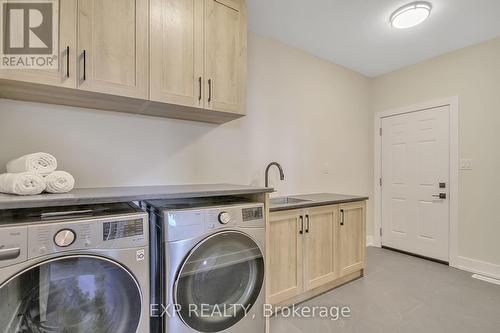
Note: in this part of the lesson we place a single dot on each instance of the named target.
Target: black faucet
(282, 175)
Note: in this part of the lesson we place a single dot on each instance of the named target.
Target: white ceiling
(357, 33)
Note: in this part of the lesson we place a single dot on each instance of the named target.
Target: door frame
(453, 103)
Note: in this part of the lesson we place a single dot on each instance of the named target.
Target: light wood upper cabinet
(319, 249)
(113, 47)
(225, 55)
(351, 238)
(284, 256)
(65, 76)
(183, 59)
(176, 36)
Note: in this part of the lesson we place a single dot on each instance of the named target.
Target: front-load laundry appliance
(213, 265)
(74, 269)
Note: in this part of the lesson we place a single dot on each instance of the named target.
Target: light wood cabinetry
(351, 238)
(113, 47)
(65, 76)
(225, 52)
(319, 249)
(183, 59)
(177, 52)
(284, 255)
(313, 250)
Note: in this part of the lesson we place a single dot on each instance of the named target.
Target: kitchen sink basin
(286, 201)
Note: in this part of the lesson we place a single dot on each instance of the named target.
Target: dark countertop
(83, 196)
(315, 200)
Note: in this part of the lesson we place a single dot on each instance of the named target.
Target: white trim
(454, 169)
(486, 279)
(478, 267)
(369, 240)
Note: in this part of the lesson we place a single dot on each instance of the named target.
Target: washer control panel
(99, 233)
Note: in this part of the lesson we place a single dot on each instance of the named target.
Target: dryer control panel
(182, 224)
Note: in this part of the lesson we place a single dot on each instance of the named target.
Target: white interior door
(415, 173)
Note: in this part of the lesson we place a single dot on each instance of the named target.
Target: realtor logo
(29, 31)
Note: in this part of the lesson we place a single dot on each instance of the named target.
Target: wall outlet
(465, 164)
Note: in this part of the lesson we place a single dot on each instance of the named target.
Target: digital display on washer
(250, 214)
(122, 229)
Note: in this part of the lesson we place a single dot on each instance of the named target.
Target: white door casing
(415, 152)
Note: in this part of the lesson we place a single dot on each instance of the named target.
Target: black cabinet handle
(307, 224)
(209, 90)
(199, 86)
(84, 65)
(301, 218)
(342, 217)
(67, 61)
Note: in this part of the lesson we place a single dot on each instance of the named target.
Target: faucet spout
(282, 175)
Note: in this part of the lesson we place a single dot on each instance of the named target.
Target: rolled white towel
(59, 182)
(41, 163)
(26, 183)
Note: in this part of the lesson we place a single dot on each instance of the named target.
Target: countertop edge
(96, 196)
(316, 204)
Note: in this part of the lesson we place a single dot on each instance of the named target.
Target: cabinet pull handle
(307, 224)
(199, 87)
(301, 218)
(209, 90)
(342, 217)
(67, 61)
(84, 65)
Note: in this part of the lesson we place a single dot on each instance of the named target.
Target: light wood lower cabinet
(351, 238)
(319, 246)
(312, 250)
(284, 256)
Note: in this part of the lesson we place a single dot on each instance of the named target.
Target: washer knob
(64, 238)
(224, 218)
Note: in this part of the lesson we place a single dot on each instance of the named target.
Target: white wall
(306, 113)
(473, 74)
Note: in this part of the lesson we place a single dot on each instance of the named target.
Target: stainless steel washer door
(73, 294)
(219, 281)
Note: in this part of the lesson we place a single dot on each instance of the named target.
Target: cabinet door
(319, 246)
(225, 54)
(284, 256)
(352, 238)
(64, 76)
(177, 52)
(113, 47)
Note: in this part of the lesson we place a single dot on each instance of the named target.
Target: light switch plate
(465, 164)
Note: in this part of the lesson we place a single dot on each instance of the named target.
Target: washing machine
(212, 265)
(74, 269)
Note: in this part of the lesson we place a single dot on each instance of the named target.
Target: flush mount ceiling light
(411, 15)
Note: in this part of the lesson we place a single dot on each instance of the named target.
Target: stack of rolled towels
(34, 173)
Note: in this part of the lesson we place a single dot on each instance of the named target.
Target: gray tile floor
(400, 293)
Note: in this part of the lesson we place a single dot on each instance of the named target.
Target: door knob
(440, 196)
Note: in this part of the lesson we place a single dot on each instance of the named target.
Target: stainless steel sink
(286, 201)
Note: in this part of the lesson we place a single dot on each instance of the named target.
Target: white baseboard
(369, 241)
(478, 267)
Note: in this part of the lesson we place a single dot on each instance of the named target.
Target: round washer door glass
(219, 282)
(83, 294)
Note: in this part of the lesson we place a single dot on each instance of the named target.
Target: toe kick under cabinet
(182, 59)
(313, 250)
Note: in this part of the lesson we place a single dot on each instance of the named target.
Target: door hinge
(380, 232)
(380, 181)
(380, 131)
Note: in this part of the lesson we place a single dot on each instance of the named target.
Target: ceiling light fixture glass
(411, 15)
